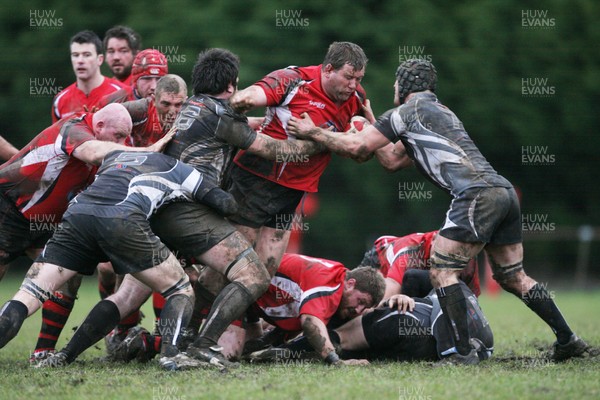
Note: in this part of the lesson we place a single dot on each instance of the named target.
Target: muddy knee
(249, 271)
(510, 277)
(445, 268)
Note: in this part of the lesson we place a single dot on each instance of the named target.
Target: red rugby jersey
(43, 177)
(72, 100)
(302, 285)
(147, 128)
(398, 254)
(291, 92)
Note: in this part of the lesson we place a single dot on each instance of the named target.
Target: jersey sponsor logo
(318, 104)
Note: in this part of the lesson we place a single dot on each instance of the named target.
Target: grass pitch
(518, 369)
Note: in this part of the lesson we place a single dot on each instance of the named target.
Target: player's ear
(328, 68)
(349, 284)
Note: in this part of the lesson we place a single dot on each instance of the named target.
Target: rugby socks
(129, 322)
(12, 315)
(454, 306)
(540, 302)
(158, 303)
(202, 306)
(174, 317)
(99, 322)
(55, 313)
(229, 305)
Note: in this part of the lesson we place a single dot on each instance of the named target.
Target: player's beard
(124, 73)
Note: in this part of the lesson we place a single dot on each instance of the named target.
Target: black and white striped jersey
(138, 182)
(437, 142)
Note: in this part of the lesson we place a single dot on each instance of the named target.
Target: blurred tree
(484, 52)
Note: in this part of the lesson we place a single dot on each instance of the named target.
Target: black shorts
(400, 337)
(262, 202)
(82, 241)
(484, 215)
(190, 228)
(18, 234)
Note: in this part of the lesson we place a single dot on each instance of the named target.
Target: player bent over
(109, 221)
(415, 330)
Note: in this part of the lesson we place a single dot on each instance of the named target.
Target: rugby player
(484, 212)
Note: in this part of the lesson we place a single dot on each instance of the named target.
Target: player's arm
(359, 145)
(7, 150)
(367, 111)
(392, 287)
(393, 157)
(315, 331)
(269, 148)
(94, 151)
(233, 128)
(249, 98)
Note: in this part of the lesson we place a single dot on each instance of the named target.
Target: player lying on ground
(303, 296)
(404, 329)
(109, 221)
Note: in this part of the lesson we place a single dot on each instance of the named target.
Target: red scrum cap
(149, 62)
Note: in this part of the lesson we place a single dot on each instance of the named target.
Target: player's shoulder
(301, 259)
(290, 75)
(60, 95)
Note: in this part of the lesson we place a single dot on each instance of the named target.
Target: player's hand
(368, 111)
(301, 127)
(162, 142)
(255, 122)
(402, 302)
(92, 110)
(360, 362)
(241, 101)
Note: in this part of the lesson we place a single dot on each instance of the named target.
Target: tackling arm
(393, 157)
(247, 99)
(269, 148)
(94, 151)
(359, 145)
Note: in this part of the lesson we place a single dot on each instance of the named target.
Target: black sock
(203, 302)
(540, 302)
(99, 322)
(174, 316)
(454, 306)
(12, 316)
(229, 305)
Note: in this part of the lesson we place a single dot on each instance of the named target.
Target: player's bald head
(113, 116)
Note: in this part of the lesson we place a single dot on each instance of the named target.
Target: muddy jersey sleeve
(391, 125)
(74, 133)
(234, 129)
(138, 110)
